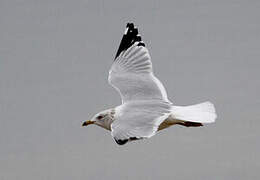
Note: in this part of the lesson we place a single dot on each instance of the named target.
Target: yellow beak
(86, 123)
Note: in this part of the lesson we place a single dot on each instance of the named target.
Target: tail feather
(199, 113)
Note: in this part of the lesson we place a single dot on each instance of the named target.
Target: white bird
(145, 108)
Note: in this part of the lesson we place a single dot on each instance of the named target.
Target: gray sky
(54, 61)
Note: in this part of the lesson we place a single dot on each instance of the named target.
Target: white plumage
(131, 74)
(145, 108)
(201, 113)
(144, 100)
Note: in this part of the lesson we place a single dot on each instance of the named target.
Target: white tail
(200, 113)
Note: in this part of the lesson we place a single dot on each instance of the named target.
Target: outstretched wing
(131, 73)
(138, 119)
(144, 100)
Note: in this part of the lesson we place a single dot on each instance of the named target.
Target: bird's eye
(100, 117)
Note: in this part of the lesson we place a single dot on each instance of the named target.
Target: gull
(145, 107)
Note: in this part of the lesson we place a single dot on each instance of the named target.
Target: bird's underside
(171, 121)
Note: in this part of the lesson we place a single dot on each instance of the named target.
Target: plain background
(54, 61)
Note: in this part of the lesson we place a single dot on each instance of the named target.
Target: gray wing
(131, 73)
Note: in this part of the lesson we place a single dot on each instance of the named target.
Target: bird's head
(103, 119)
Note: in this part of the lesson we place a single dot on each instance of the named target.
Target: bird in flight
(145, 108)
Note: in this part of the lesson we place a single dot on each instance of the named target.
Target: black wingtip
(130, 25)
(129, 38)
(121, 142)
(124, 141)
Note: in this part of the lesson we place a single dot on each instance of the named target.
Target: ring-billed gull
(145, 108)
